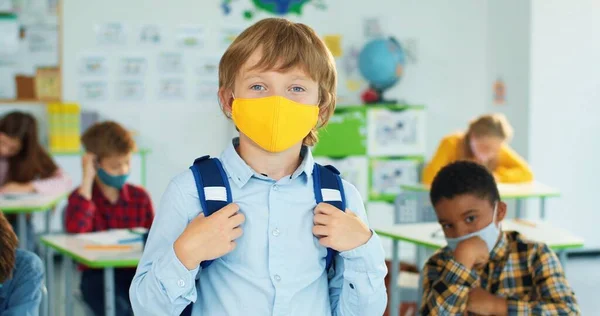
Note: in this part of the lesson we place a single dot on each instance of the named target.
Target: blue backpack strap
(329, 189)
(213, 188)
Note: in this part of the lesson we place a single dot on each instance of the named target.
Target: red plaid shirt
(132, 209)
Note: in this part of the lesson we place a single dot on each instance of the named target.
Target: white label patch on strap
(331, 195)
(215, 194)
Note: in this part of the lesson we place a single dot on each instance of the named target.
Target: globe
(381, 63)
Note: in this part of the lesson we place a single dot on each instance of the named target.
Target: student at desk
(484, 270)
(105, 201)
(21, 276)
(484, 142)
(24, 164)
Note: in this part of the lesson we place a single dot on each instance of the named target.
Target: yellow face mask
(274, 123)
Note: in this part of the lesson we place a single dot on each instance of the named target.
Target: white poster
(42, 44)
(150, 34)
(208, 90)
(133, 66)
(111, 34)
(9, 35)
(170, 63)
(171, 89)
(395, 133)
(208, 66)
(93, 65)
(93, 91)
(190, 36)
(388, 175)
(130, 90)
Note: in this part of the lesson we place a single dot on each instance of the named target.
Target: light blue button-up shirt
(278, 266)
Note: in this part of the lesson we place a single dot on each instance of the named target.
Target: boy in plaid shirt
(105, 201)
(483, 270)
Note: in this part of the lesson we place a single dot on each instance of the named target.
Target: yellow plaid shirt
(527, 274)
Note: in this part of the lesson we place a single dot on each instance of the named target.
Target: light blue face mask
(488, 234)
(116, 182)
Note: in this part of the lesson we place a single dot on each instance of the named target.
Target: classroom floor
(582, 274)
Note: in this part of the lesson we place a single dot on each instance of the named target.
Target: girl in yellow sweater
(485, 143)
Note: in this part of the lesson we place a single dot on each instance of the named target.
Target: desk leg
(393, 304)
(22, 230)
(68, 271)
(50, 280)
(519, 206)
(542, 208)
(109, 291)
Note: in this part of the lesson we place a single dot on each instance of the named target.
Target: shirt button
(276, 232)
(181, 283)
(277, 277)
(276, 187)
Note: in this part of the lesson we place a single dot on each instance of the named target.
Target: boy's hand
(482, 302)
(341, 231)
(208, 238)
(15, 187)
(472, 252)
(88, 167)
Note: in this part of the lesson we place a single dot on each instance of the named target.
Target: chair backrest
(44, 305)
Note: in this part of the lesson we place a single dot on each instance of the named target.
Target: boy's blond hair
(285, 45)
(108, 139)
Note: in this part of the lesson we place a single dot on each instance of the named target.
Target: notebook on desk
(113, 237)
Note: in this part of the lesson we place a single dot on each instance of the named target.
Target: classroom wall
(564, 110)
(449, 77)
(508, 40)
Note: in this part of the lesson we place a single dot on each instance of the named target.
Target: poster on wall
(171, 89)
(130, 90)
(208, 66)
(207, 90)
(132, 66)
(111, 34)
(93, 65)
(272, 7)
(170, 63)
(228, 35)
(149, 35)
(93, 91)
(190, 36)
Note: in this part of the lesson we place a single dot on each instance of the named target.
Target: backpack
(214, 191)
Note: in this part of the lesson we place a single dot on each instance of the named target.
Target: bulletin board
(30, 51)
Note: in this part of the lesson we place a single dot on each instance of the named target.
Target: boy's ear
(501, 211)
(226, 100)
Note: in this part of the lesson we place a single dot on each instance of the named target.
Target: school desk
(429, 236)
(517, 191)
(101, 257)
(34, 203)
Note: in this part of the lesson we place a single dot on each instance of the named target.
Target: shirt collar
(499, 250)
(124, 193)
(240, 173)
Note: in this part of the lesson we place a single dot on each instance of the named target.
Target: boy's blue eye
(257, 87)
(298, 89)
(470, 219)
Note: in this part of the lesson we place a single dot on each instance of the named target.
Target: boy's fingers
(325, 208)
(320, 231)
(321, 219)
(228, 210)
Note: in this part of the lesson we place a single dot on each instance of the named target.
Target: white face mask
(488, 234)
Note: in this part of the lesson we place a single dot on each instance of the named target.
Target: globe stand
(375, 96)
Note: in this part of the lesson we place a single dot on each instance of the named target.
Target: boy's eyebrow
(468, 212)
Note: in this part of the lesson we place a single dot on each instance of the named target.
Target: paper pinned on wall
(130, 90)
(372, 28)
(133, 66)
(8, 89)
(228, 35)
(170, 63)
(93, 91)
(171, 89)
(190, 36)
(9, 34)
(42, 44)
(334, 43)
(93, 64)
(6, 5)
(111, 34)
(207, 90)
(208, 66)
(149, 34)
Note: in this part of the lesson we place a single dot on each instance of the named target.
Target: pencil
(108, 247)
(524, 222)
